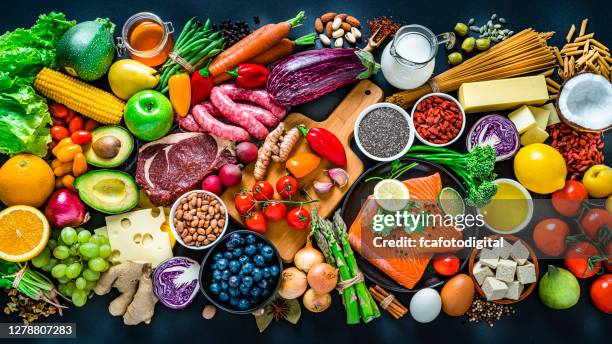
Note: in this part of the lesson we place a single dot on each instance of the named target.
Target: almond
(319, 25)
(342, 16)
(328, 28)
(352, 21)
(345, 26)
(327, 17)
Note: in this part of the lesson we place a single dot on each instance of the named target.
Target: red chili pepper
(325, 143)
(201, 84)
(250, 75)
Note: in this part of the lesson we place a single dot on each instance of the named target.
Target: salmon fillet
(404, 265)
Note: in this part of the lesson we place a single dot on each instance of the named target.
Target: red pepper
(250, 75)
(201, 84)
(325, 143)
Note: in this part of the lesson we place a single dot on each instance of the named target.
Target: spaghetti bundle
(525, 52)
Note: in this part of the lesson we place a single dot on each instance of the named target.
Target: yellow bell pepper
(540, 168)
(179, 86)
(302, 164)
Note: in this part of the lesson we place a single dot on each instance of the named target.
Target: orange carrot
(252, 45)
(282, 49)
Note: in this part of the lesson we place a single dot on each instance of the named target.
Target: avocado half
(108, 191)
(125, 150)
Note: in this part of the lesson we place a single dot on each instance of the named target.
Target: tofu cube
(504, 250)
(515, 289)
(505, 270)
(481, 272)
(494, 289)
(526, 274)
(489, 258)
(519, 252)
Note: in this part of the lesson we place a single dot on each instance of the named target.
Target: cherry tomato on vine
(549, 236)
(263, 191)
(256, 221)
(446, 264)
(601, 293)
(298, 218)
(582, 259)
(244, 202)
(275, 211)
(594, 220)
(287, 187)
(567, 201)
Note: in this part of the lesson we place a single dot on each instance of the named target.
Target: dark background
(533, 322)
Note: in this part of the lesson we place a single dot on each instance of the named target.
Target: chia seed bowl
(384, 132)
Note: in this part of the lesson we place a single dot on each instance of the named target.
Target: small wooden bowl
(532, 257)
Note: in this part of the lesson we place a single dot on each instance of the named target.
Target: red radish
(230, 175)
(65, 209)
(246, 152)
(213, 184)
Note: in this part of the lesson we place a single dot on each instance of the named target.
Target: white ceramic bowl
(392, 106)
(445, 96)
(529, 200)
(178, 236)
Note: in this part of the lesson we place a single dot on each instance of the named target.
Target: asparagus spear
(369, 310)
(320, 238)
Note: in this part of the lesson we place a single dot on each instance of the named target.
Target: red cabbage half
(175, 282)
(497, 131)
(308, 75)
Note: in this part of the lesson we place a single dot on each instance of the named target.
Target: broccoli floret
(480, 195)
(480, 162)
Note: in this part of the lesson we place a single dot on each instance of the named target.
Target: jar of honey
(146, 38)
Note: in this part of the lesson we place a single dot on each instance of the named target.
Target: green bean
(186, 31)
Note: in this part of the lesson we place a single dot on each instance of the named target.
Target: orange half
(24, 233)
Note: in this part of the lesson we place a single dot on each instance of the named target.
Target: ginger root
(265, 151)
(133, 280)
(286, 145)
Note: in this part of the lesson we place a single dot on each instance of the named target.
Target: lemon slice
(391, 194)
(24, 232)
(451, 202)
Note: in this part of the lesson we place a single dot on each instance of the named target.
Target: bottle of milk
(408, 61)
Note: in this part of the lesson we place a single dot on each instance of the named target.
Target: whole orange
(26, 179)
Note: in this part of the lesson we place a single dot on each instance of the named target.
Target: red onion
(65, 209)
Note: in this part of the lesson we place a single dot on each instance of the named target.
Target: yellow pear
(126, 77)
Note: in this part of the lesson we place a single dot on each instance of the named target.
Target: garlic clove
(322, 187)
(339, 176)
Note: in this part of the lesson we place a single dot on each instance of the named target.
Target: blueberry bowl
(241, 272)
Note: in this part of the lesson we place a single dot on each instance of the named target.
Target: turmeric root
(137, 302)
(287, 144)
(265, 151)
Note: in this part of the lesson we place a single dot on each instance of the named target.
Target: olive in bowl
(241, 273)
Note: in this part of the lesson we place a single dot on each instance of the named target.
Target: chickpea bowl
(198, 219)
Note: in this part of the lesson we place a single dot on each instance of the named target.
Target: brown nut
(345, 26)
(327, 17)
(352, 21)
(328, 29)
(318, 25)
(342, 16)
(209, 312)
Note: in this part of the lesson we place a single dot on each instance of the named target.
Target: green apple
(148, 115)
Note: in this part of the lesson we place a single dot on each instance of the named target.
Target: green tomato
(42, 259)
(89, 250)
(69, 235)
(84, 236)
(61, 252)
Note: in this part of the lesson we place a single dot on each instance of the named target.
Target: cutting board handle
(345, 114)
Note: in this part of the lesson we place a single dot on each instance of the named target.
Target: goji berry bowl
(438, 119)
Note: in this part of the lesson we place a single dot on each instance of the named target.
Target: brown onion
(307, 256)
(293, 284)
(316, 302)
(322, 278)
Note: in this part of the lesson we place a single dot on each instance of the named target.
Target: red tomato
(70, 117)
(58, 121)
(52, 145)
(58, 110)
(567, 201)
(275, 211)
(76, 124)
(298, 218)
(59, 133)
(81, 137)
(579, 257)
(601, 293)
(244, 203)
(256, 221)
(549, 236)
(608, 262)
(90, 124)
(263, 191)
(287, 187)
(446, 264)
(595, 219)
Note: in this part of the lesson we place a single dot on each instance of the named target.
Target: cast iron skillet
(361, 190)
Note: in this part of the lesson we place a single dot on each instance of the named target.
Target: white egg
(425, 305)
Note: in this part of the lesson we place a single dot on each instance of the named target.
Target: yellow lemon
(540, 168)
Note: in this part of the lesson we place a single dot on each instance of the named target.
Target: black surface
(533, 322)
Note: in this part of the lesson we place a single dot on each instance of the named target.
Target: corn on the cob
(80, 96)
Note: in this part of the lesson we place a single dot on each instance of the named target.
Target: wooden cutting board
(340, 122)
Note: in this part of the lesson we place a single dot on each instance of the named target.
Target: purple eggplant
(308, 75)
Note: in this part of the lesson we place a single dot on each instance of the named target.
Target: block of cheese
(523, 119)
(503, 94)
(553, 118)
(137, 236)
(534, 135)
(540, 115)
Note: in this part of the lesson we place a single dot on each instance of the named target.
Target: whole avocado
(558, 288)
(86, 50)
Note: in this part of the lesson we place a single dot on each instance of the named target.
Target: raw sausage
(212, 125)
(259, 97)
(234, 113)
(211, 109)
(187, 123)
(262, 115)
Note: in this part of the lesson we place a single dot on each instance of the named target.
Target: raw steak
(178, 163)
